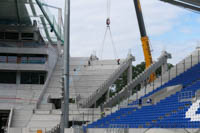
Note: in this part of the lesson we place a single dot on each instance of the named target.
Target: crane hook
(108, 22)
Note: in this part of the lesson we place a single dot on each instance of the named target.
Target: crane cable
(108, 29)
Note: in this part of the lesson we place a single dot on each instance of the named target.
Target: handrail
(56, 129)
(55, 27)
(190, 60)
(124, 93)
(103, 88)
(10, 119)
(46, 83)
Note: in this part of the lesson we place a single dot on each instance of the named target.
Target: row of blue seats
(168, 113)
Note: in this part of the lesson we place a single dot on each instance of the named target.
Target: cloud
(88, 27)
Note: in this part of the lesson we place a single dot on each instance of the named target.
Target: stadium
(43, 89)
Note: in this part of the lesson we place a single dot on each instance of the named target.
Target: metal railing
(126, 91)
(58, 29)
(185, 95)
(117, 128)
(175, 71)
(46, 83)
(55, 130)
(10, 120)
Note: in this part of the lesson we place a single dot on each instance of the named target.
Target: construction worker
(89, 63)
(102, 114)
(118, 61)
(140, 102)
(102, 111)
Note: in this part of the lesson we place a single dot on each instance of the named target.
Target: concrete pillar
(20, 36)
(164, 68)
(129, 73)
(130, 70)
(59, 47)
(35, 36)
(108, 94)
(18, 77)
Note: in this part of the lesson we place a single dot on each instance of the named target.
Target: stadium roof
(24, 12)
(14, 12)
(189, 4)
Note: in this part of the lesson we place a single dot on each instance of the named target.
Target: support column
(65, 106)
(59, 28)
(130, 70)
(164, 68)
(108, 94)
(129, 73)
(18, 78)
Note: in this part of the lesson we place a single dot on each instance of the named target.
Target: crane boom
(144, 37)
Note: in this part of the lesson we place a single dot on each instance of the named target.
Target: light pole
(65, 108)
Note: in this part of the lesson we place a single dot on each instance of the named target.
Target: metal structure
(144, 38)
(125, 92)
(18, 14)
(65, 108)
(193, 5)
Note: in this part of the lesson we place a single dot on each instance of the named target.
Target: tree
(122, 80)
(139, 68)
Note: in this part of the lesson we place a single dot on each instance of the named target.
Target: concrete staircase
(44, 120)
(21, 117)
(104, 86)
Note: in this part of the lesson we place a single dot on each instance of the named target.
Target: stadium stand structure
(178, 110)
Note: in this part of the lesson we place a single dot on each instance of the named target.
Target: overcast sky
(169, 28)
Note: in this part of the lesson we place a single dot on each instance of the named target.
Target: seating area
(175, 111)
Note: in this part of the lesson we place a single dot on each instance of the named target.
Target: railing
(126, 91)
(179, 68)
(55, 130)
(51, 20)
(10, 120)
(22, 44)
(117, 128)
(46, 83)
(103, 88)
(185, 95)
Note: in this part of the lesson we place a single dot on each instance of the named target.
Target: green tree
(139, 68)
(122, 80)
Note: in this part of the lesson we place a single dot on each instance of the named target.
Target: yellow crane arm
(144, 38)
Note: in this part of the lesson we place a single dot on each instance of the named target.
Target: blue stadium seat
(170, 112)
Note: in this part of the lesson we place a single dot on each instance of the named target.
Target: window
(1, 35)
(33, 77)
(27, 36)
(11, 36)
(12, 59)
(3, 59)
(8, 77)
(37, 60)
(24, 60)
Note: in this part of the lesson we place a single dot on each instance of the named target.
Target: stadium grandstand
(44, 90)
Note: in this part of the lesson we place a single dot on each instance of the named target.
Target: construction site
(43, 89)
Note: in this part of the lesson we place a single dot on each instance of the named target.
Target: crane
(144, 38)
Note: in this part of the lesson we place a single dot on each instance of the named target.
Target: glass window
(27, 36)
(12, 36)
(37, 60)
(12, 59)
(24, 60)
(8, 77)
(33, 77)
(2, 35)
(3, 59)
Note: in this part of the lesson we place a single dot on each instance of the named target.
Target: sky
(169, 28)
